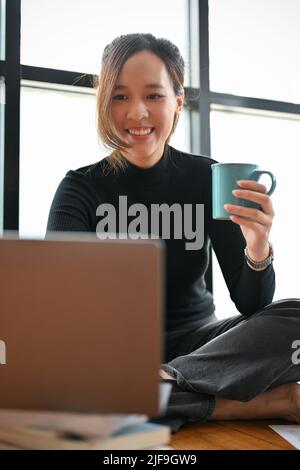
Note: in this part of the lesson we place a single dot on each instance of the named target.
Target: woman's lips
(140, 137)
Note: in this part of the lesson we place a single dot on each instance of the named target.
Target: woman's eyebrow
(150, 85)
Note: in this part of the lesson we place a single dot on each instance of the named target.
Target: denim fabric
(236, 358)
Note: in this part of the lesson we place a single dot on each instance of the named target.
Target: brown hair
(114, 56)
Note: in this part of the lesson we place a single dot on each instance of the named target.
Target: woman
(240, 367)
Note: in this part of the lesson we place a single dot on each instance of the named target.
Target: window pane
(71, 34)
(194, 54)
(58, 133)
(271, 141)
(2, 104)
(255, 48)
(2, 29)
(181, 138)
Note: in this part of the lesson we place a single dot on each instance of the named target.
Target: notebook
(139, 436)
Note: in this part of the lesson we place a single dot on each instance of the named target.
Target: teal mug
(224, 181)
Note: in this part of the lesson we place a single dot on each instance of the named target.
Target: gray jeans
(236, 358)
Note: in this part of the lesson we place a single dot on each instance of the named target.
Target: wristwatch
(261, 265)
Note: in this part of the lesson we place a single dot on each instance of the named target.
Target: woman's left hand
(255, 223)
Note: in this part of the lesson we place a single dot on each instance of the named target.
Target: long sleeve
(73, 205)
(177, 179)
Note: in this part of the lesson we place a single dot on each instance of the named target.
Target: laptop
(81, 324)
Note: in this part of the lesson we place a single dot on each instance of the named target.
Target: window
(2, 104)
(272, 141)
(71, 34)
(254, 60)
(254, 48)
(58, 134)
(2, 29)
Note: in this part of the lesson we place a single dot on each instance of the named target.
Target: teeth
(141, 132)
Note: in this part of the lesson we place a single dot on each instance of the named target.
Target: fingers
(256, 192)
(263, 199)
(247, 223)
(255, 215)
(253, 185)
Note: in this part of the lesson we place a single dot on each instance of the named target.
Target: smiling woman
(139, 97)
(145, 116)
(214, 365)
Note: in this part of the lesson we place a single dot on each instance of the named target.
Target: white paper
(289, 432)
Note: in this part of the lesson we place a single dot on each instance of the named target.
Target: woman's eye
(156, 96)
(119, 97)
(124, 97)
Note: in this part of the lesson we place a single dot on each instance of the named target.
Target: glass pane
(272, 141)
(255, 48)
(194, 54)
(72, 34)
(58, 133)
(2, 104)
(2, 29)
(181, 138)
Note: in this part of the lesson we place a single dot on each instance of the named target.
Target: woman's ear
(180, 101)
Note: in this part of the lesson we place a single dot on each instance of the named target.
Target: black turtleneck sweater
(179, 178)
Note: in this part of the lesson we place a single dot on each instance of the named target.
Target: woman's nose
(137, 111)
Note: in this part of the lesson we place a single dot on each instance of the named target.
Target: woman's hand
(255, 223)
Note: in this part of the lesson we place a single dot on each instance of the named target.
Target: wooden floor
(230, 435)
(224, 435)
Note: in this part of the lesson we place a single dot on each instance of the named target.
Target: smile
(142, 131)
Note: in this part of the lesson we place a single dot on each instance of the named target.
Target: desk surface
(230, 435)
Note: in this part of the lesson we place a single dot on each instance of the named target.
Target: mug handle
(258, 173)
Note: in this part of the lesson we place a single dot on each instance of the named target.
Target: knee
(289, 308)
(292, 303)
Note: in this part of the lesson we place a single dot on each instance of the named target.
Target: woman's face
(144, 101)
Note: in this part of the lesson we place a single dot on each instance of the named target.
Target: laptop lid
(81, 324)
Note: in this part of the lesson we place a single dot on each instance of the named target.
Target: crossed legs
(247, 369)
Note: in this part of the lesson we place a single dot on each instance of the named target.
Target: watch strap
(261, 265)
